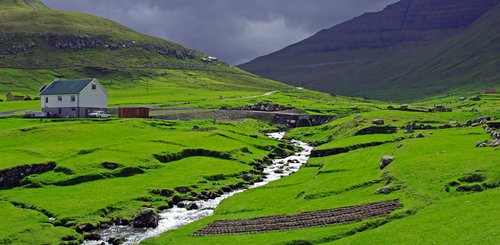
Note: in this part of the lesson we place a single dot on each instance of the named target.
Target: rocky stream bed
(176, 217)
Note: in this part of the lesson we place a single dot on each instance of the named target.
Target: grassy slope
(126, 72)
(422, 168)
(419, 174)
(151, 86)
(462, 64)
(79, 147)
(21, 4)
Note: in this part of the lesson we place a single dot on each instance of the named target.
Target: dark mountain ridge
(331, 59)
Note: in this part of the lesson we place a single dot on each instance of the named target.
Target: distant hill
(409, 50)
(38, 44)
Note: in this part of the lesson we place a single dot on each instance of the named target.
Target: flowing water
(174, 218)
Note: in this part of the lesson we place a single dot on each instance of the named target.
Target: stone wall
(12, 177)
(289, 119)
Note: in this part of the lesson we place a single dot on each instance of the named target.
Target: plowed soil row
(299, 221)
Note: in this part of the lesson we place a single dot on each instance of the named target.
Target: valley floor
(428, 176)
(96, 171)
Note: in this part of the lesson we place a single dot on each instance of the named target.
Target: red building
(133, 112)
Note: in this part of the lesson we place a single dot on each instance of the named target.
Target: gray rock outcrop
(383, 190)
(385, 161)
(147, 218)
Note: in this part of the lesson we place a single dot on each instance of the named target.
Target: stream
(176, 217)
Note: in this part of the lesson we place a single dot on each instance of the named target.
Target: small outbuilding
(133, 112)
(73, 98)
(13, 96)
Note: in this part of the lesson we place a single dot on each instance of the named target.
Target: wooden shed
(133, 112)
(12, 96)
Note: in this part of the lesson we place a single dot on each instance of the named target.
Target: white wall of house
(90, 97)
(93, 97)
(52, 101)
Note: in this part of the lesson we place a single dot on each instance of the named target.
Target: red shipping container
(133, 112)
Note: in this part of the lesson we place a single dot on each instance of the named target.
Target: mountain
(409, 50)
(16, 4)
(38, 44)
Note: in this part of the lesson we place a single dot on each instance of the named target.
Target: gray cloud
(235, 30)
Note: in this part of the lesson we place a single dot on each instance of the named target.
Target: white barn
(73, 98)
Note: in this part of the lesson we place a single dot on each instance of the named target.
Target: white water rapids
(176, 217)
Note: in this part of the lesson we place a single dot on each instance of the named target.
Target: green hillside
(440, 48)
(38, 44)
(67, 181)
(21, 4)
(466, 63)
(425, 176)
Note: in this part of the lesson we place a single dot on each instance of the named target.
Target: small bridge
(277, 117)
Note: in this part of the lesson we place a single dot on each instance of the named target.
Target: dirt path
(253, 96)
(300, 221)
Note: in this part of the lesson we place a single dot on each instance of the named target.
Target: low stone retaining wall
(299, 221)
(290, 119)
(12, 177)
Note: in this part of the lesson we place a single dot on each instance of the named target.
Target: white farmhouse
(73, 98)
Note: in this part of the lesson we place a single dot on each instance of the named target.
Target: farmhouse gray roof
(66, 86)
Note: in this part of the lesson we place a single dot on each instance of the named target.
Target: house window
(73, 98)
(46, 99)
(59, 98)
(94, 86)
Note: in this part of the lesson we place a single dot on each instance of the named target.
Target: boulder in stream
(92, 236)
(85, 227)
(146, 218)
(192, 206)
(116, 240)
(247, 177)
(122, 221)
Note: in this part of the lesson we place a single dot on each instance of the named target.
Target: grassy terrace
(179, 88)
(94, 171)
(418, 177)
(82, 189)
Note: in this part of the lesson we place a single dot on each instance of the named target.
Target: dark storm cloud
(235, 30)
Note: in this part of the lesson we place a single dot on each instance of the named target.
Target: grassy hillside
(422, 169)
(418, 177)
(38, 44)
(79, 149)
(62, 173)
(8, 5)
(379, 59)
(463, 64)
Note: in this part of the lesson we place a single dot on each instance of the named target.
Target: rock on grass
(385, 160)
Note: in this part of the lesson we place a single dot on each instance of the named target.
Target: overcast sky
(234, 30)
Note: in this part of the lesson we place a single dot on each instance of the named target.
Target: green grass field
(418, 178)
(79, 188)
(112, 168)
